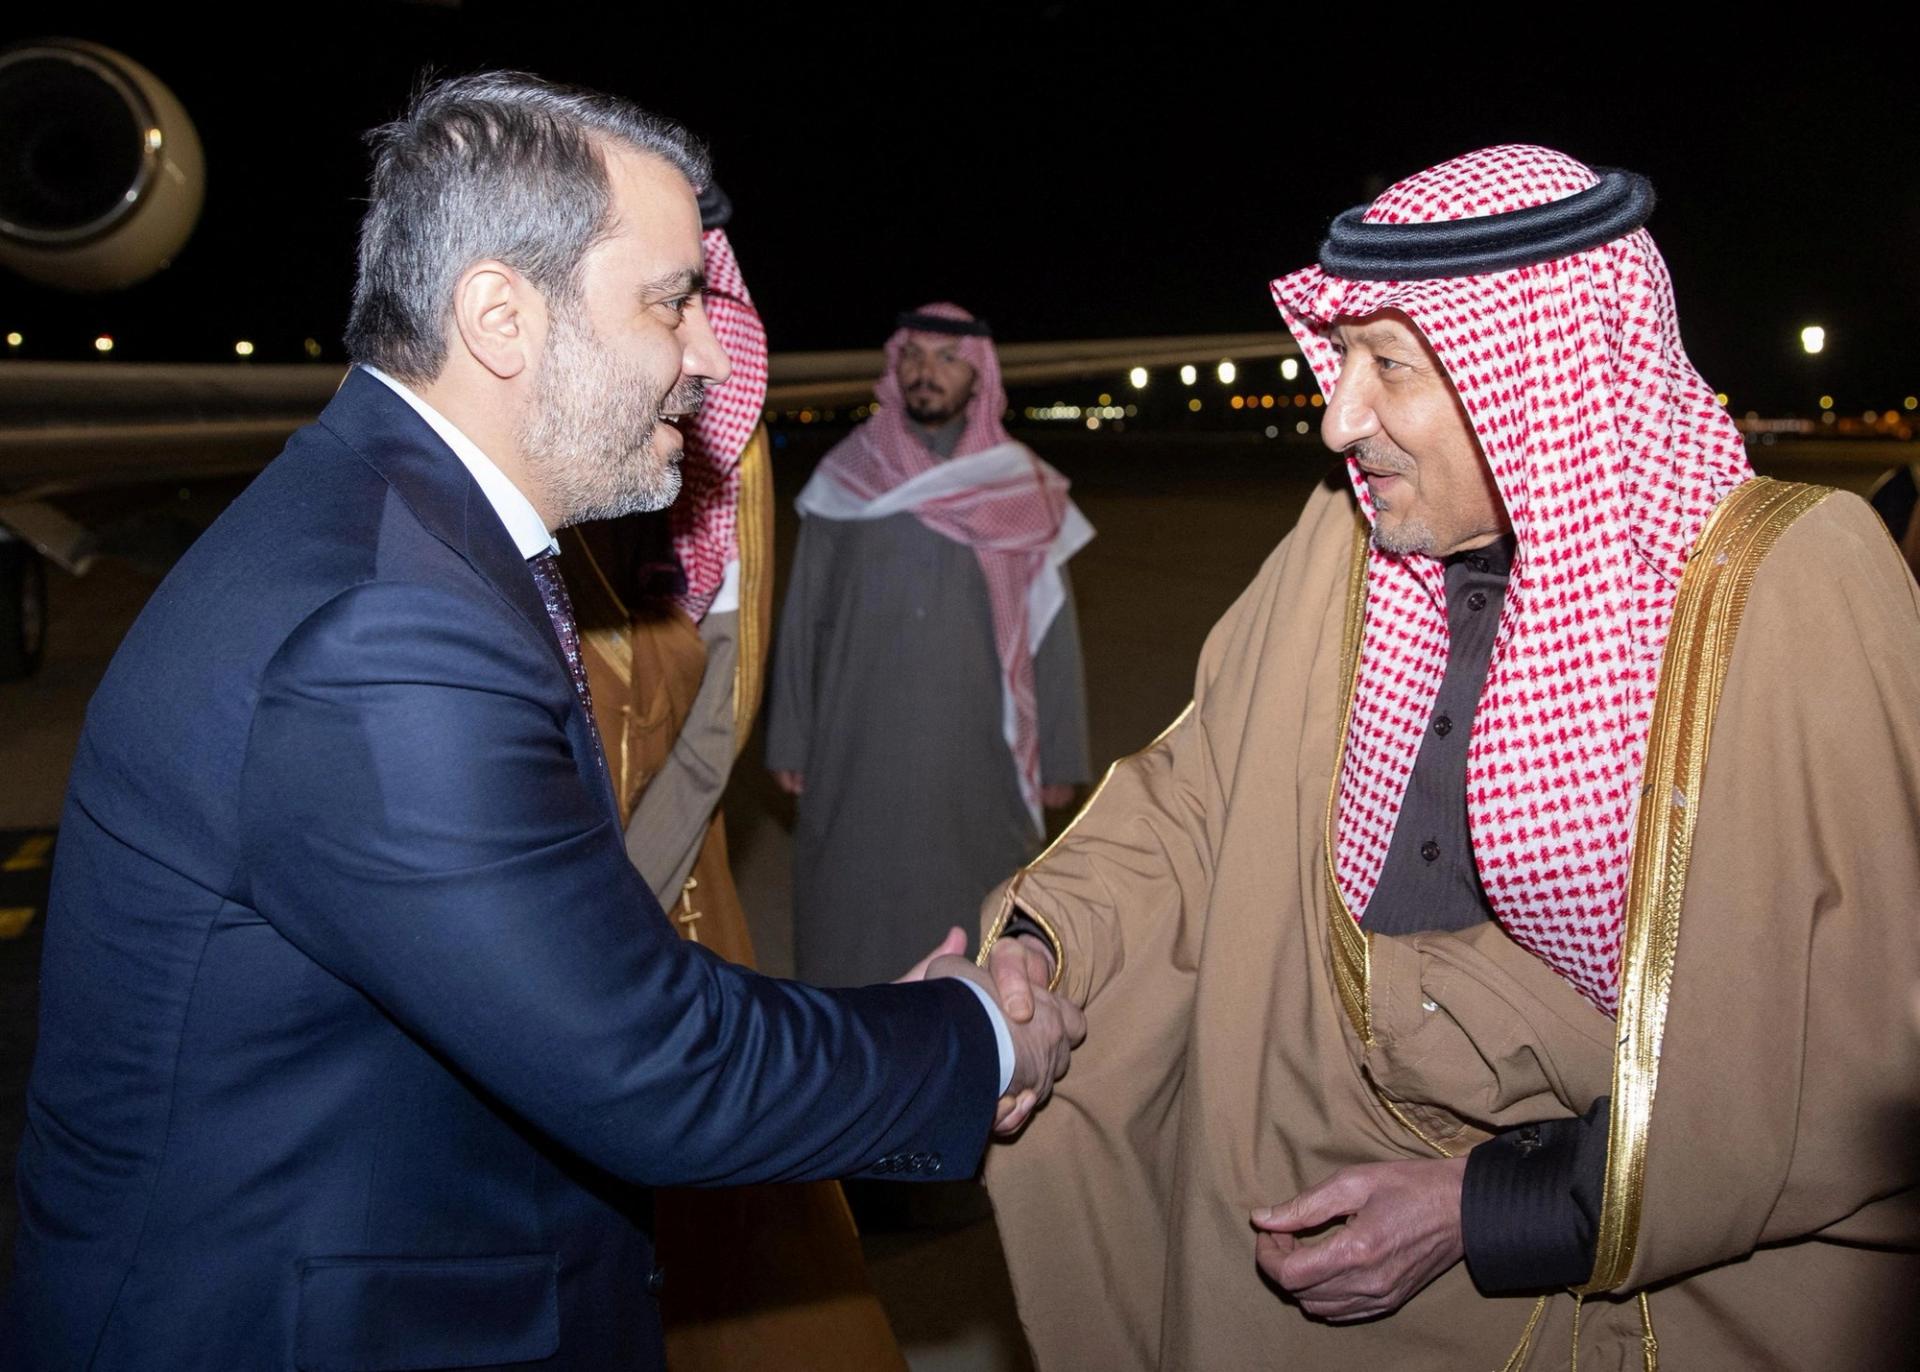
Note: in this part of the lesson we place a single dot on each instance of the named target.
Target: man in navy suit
(361, 1038)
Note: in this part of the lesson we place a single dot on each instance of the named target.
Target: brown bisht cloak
(1246, 1038)
(755, 1277)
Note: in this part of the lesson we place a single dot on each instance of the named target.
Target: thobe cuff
(1530, 1203)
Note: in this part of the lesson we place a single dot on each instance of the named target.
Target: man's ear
(498, 317)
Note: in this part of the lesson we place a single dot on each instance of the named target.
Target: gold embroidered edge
(1348, 945)
(999, 925)
(1712, 598)
(753, 531)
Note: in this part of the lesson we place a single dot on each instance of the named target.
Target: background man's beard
(588, 439)
(924, 407)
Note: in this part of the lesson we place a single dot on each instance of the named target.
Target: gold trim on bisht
(1706, 616)
(1046, 926)
(1352, 972)
(753, 530)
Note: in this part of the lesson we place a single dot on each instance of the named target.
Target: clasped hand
(1400, 1229)
(1045, 1027)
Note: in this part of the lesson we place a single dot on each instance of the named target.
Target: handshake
(1045, 1027)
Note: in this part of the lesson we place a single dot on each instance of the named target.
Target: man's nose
(701, 354)
(1349, 416)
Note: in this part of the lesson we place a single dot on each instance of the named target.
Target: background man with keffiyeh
(1529, 882)
(927, 703)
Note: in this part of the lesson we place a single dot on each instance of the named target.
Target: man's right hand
(1044, 1037)
(1020, 965)
(793, 783)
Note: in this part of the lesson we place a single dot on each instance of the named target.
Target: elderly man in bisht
(1503, 961)
(927, 700)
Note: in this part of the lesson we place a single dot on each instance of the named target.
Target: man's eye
(1387, 364)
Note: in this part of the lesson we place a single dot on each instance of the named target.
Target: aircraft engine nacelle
(101, 175)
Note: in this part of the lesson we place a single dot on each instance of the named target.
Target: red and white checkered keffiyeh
(703, 518)
(1010, 524)
(1610, 451)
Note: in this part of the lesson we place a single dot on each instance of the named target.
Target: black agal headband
(1356, 251)
(939, 323)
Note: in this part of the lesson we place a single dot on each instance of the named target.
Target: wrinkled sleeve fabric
(416, 823)
(1530, 1206)
(670, 821)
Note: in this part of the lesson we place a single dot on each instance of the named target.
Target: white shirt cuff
(1000, 1034)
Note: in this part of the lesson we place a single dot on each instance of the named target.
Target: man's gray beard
(1412, 536)
(588, 440)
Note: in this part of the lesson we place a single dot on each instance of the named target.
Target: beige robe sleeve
(1790, 1074)
(1131, 876)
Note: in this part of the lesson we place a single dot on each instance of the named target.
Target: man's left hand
(1402, 1230)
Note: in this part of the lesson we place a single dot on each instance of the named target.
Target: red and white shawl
(1609, 451)
(1014, 522)
(703, 518)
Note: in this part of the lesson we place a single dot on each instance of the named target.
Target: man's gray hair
(494, 165)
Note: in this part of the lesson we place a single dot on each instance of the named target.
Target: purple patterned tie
(553, 592)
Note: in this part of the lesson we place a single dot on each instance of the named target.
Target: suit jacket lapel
(436, 486)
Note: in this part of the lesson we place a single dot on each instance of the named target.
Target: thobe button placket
(1477, 601)
(1443, 726)
(1430, 851)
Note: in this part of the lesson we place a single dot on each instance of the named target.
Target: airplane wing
(67, 428)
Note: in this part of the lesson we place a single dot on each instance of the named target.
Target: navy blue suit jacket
(361, 1039)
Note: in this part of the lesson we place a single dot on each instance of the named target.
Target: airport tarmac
(1183, 525)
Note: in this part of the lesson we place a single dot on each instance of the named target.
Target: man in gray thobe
(927, 699)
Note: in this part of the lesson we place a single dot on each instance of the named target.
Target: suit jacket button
(656, 1279)
(919, 1162)
(933, 1163)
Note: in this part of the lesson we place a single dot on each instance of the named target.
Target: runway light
(1912, 402)
(1266, 402)
(1105, 398)
(1813, 338)
(1722, 398)
(1188, 375)
(1272, 432)
(312, 346)
(1289, 368)
(103, 344)
(1315, 401)
(1093, 421)
(1236, 402)
(1301, 427)
(1299, 402)
(1194, 404)
(15, 339)
(1826, 402)
(244, 348)
(1226, 371)
(1138, 376)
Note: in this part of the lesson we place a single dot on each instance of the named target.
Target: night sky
(1063, 171)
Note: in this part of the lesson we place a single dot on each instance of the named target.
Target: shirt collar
(524, 525)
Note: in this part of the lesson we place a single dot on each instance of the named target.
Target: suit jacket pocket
(360, 1314)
